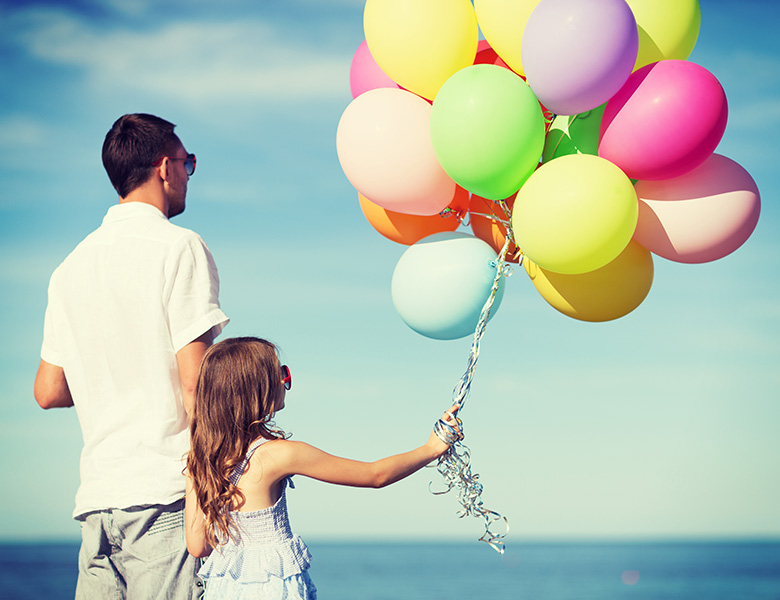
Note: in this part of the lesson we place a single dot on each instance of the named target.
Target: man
(131, 312)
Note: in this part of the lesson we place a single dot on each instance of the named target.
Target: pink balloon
(365, 74)
(665, 121)
(384, 146)
(701, 216)
(577, 54)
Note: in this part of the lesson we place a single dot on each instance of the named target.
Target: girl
(240, 465)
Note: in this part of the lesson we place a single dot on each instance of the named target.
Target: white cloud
(229, 62)
(756, 116)
(749, 69)
(21, 131)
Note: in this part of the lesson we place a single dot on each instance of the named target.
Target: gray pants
(137, 554)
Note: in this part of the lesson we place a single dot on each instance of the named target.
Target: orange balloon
(484, 214)
(409, 229)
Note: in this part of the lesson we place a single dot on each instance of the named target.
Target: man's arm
(51, 388)
(189, 359)
(195, 524)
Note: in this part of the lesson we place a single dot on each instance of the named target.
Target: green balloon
(574, 134)
(487, 130)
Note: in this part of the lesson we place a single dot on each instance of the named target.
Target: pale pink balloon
(384, 146)
(701, 216)
(365, 74)
(665, 121)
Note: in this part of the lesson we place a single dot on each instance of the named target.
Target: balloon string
(462, 390)
(492, 216)
(584, 115)
(455, 464)
(449, 212)
(560, 139)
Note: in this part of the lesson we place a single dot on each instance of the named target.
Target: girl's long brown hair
(239, 389)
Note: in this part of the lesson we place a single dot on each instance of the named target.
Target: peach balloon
(701, 216)
(384, 146)
(410, 229)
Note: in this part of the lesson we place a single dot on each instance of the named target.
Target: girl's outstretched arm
(299, 458)
(195, 524)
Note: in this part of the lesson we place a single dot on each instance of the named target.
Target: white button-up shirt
(121, 305)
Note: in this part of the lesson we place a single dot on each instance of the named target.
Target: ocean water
(421, 571)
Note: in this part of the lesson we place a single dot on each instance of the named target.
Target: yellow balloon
(575, 214)
(502, 23)
(668, 29)
(605, 294)
(420, 43)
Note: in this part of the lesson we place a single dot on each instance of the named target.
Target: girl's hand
(450, 431)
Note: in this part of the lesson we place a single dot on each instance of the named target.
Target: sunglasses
(189, 163)
(286, 377)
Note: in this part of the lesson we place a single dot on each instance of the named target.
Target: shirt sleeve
(193, 293)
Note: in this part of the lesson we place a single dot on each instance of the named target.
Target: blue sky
(662, 424)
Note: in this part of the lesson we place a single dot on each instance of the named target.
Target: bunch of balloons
(577, 128)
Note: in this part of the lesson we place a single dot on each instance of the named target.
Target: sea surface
(473, 571)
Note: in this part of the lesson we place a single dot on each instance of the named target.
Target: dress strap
(238, 471)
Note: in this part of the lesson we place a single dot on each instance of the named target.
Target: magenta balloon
(701, 216)
(665, 121)
(577, 54)
(365, 74)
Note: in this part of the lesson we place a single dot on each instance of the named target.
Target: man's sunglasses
(189, 163)
(286, 377)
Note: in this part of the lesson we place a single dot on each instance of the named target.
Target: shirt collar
(129, 210)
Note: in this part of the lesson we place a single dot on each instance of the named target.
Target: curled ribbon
(455, 464)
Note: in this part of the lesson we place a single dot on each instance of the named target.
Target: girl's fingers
(448, 428)
(450, 414)
(452, 421)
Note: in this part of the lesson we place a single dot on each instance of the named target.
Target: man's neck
(148, 194)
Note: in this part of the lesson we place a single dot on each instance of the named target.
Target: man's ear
(165, 166)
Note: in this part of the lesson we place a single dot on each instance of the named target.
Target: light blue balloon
(442, 282)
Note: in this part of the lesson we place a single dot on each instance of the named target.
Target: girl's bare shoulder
(285, 456)
(282, 447)
(278, 451)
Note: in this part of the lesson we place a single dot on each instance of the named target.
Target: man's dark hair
(132, 145)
